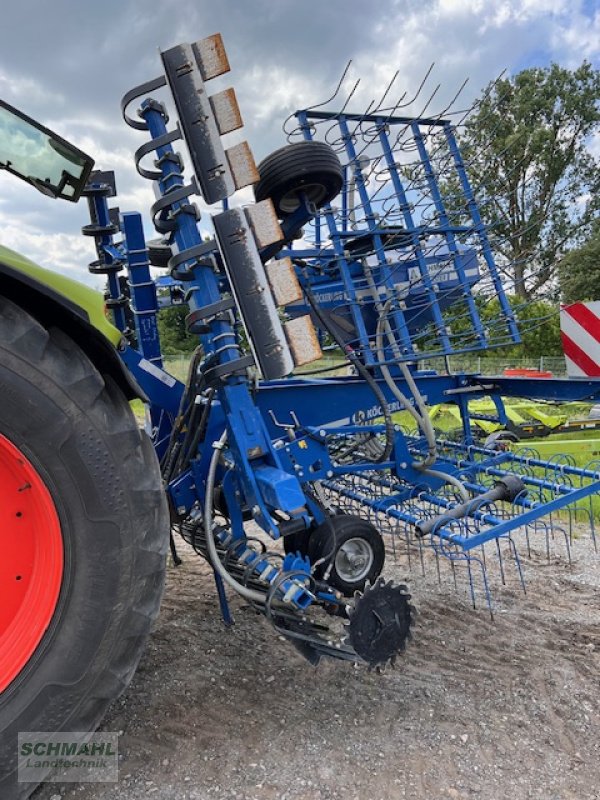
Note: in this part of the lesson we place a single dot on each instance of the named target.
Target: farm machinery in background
(365, 235)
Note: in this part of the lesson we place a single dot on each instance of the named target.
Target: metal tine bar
(454, 578)
(483, 559)
(540, 526)
(557, 488)
(342, 264)
(481, 230)
(517, 561)
(528, 541)
(500, 562)
(468, 559)
(415, 240)
(443, 218)
(547, 535)
(560, 529)
(453, 558)
(588, 467)
(318, 105)
(472, 587)
(472, 523)
(399, 318)
(522, 500)
(519, 459)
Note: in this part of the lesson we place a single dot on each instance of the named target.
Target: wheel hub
(31, 561)
(354, 559)
(313, 192)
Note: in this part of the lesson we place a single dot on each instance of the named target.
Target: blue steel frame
(381, 128)
(267, 471)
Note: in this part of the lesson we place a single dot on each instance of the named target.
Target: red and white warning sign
(580, 334)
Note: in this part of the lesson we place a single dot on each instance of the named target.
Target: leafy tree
(538, 322)
(526, 151)
(539, 325)
(174, 338)
(579, 271)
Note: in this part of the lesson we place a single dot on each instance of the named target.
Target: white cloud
(20, 91)
(579, 37)
(283, 57)
(64, 253)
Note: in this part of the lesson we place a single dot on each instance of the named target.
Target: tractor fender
(30, 287)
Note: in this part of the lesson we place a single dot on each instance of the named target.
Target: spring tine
(500, 562)
(518, 565)
(567, 542)
(453, 568)
(471, 584)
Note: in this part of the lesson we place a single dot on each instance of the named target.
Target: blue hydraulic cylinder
(249, 439)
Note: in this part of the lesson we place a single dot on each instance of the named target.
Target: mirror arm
(45, 188)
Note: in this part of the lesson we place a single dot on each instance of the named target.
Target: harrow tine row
(396, 510)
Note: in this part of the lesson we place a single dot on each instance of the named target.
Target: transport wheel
(352, 547)
(308, 168)
(84, 536)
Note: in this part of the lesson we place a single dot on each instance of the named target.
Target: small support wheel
(310, 169)
(220, 504)
(352, 550)
(296, 543)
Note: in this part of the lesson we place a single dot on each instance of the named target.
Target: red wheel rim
(31, 560)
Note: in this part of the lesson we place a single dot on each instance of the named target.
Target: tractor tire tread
(61, 366)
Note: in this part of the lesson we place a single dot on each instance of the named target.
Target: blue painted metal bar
(506, 526)
(391, 119)
(107, 251)
(248, 437)
(558, 389)
(223, 603)
(372, 226)
(515, 458)
(163, 389)
(342, 264)
(498, 527)
(436, 196)
(482, 231)
(415, 234)
(142, 287)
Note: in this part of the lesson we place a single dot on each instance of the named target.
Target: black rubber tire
(310, 167)
(326, 540)
(494, 440)
(296, 543)
(78, 431)
(220, 505)
(159, 253)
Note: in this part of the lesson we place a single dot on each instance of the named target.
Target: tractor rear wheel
(84, 536)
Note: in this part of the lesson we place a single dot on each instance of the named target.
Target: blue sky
(68, 63)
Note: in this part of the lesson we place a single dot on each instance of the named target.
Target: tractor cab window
(40, 157)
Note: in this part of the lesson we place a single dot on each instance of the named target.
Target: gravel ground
(502, 709)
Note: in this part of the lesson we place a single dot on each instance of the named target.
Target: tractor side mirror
(42, 158)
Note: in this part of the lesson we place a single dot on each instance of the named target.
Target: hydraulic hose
(363, 372)
(421, 415)
(244, 591)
